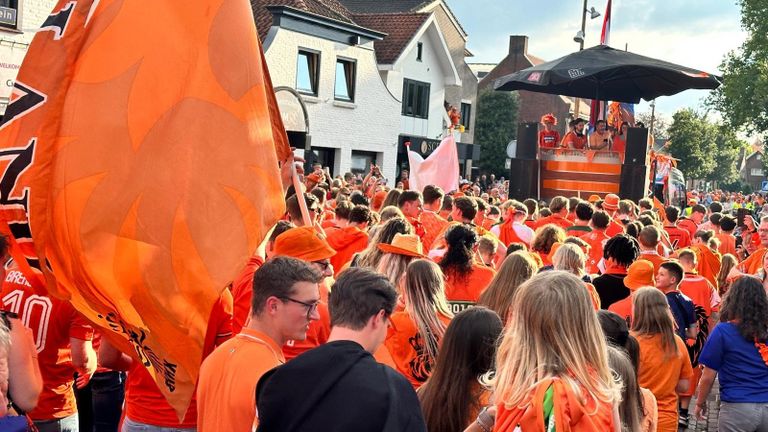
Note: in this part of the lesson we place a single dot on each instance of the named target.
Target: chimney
(518, 44)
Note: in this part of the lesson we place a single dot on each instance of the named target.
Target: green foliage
(743, 97)
(495, 127)
(727, 148)
(693, 141)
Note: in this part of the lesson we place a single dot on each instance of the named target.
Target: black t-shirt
(610, 288)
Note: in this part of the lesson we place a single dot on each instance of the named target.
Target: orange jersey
(463, 292)
(226, 392)
(569, 411)
(53, 323)
(660, 375)
(653, 258)
(700, 291)
(727, 244)
(596, 241)
(508, 235)
(754, 262)
(558, 220)
(678, 237)
(346, 242)
(614, 228)
(688, 225)
(406, 347)
(242, 292)
(549, 139)
(434, 225)
(623, 308)
(143, 401)
(709, 263)
(574, 141)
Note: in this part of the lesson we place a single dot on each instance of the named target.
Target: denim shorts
(134, 426)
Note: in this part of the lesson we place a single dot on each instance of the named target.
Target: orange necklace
(763, 349)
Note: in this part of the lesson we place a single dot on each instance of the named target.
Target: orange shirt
(754, 262)
(463, 292)
(549, 139)
(660, 375)
(614, 228)
(654, 258)
(700, 291)
(434, 225)
(709, 263)
(226, 391)
(727, 244)
(574, 141)
(406, 347)
(678, 237)
(53, 323)
(143, 401)
(688, 225)
(508, 235)
(623, 308)
(619, 144)
(346, 242)
(596, 241)
(558, 220)
(242, 291)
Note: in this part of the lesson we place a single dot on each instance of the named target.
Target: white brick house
(330, 61)
(18, 21)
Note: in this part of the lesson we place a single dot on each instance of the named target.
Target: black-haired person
(454, 395)
(619, 253)
(679, 238)
(596, 239)
(466, 279)
(600, 139)
(668, 280)
(351, 239)
(412, 205)
(341, 386)
(580, 227)
(736, 353)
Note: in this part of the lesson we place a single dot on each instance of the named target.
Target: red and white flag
(441, 168)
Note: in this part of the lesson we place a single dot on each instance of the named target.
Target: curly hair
(546, 236)
(747, 303)
(461, 240)
(622, 248)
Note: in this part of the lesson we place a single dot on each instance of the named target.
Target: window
(415, 99)
(361, 161)
(308, 72)
(466, 114)
(758, 172)
(345, 80)
(419, 50)
(9, 13)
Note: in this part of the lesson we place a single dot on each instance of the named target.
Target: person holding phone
(601, 137)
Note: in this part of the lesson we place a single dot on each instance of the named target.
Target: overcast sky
(694, 33)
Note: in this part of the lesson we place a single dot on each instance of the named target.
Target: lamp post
(580, 39)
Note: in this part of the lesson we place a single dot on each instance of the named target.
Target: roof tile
(399, 27)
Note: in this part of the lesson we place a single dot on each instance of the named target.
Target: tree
(727, 148)
(495, 127)
(693, 141)
(660, 125)
(742, 98)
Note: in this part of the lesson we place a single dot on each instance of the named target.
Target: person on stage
(601, 137)
(576, 138)
(548, 137)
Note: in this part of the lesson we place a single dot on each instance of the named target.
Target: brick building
(18, 20)
(532, 105)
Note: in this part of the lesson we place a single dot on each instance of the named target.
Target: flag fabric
(597, 108)
(140, 169)
(605, 34)
(440, 168)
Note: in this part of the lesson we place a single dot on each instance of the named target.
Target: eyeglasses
(322, 264)
(311, 307)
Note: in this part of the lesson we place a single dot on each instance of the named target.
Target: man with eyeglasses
(285, 301)
(308, 245)
(294, 210)
(755, 261)
(340, 385)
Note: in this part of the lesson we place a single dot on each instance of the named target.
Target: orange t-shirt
(654, 258)
(700, 291)
(727, 244)
(596, 241)
(463, 292)
(226, 390)
(709, 263)
(53, 323)
(434, 225)
(242, 292)
(623, 308)
(508, 235)
(688, 225)
(678, 237)
(660, 375)
(614, 228)
(754, 262)
(549, 139)
(574, 141)
(346, 242)
(619, 144)
(143, 401)
(406, 347)
(558, 220)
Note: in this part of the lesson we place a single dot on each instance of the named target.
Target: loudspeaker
(527, 140)
(637, 146)
(633, 181)
(524, 179)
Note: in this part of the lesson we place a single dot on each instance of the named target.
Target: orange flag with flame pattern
(140, 168)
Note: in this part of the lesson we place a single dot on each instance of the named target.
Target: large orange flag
(140, 168)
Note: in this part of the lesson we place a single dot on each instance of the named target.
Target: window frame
(465, 122)
(420, 98)
(16, 27)
(419, 51)
(757, 172)
(314, 75)
(350, 72)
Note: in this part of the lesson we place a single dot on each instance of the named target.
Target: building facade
(18, 21)
(752, 171)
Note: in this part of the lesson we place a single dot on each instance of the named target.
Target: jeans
(108, 393)
(133, 426)
(743, 417)
(66, 424)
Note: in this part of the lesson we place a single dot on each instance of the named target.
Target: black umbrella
(604, 73)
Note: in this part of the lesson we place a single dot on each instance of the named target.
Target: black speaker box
(632, 184)
(524, 179)
(527, 140)
(637, 146)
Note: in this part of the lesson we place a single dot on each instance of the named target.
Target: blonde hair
(487, 244)
(517, 268)
(726, 265)
(570, 258)
(384, 233)
(553, 332)
(653, 316)
(424, 292)
(393, 266)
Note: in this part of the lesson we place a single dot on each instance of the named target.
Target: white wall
(13, 45)
(370, 124)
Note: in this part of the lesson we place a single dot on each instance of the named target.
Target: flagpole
(297, 185)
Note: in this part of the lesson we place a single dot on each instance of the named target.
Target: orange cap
(611, 202)
(639, 274)
(313, 177)
(303, 243)
(594, 198)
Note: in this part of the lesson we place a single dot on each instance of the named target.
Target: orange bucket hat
(611, 202)
(404, 244)
(303, 243)
(639, 274)
(594, 198)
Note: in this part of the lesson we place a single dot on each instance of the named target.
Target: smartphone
(740, 215)
(739, 241)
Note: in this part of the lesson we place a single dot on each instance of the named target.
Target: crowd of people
(404, 310)
(602, 137)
